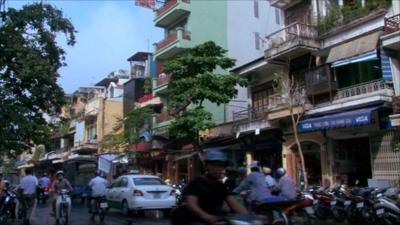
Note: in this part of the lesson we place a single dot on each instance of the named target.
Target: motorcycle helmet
(280, 172)
(215, 156)
(60, 172)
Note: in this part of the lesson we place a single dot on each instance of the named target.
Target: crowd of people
(206, 197)
(27, 190)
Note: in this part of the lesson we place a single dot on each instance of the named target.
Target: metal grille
(384, 158)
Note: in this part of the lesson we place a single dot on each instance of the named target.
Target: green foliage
(337, 16)
(396, 147)
(186, 127)
(147, 85)
(112, 141)
(134, 122)
(29, 61)
(194, 80)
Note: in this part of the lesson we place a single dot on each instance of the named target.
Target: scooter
(99, 207)
(63, 208)
(43, 194)
(7, 208)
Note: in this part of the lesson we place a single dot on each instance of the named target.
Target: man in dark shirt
(206, 195)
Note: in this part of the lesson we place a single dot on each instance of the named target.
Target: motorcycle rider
(205, 195)
(28, 187)
(271, 183)
(255, 182)
(44, 181)
(99, 187)
(286, 185)
(59, 184)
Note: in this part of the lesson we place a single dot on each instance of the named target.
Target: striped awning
(357, 47)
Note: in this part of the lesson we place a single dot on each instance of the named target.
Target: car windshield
(148, 181)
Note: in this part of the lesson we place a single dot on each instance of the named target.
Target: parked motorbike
(99, 208)
(7, 208)
(42, 194)
(326, 206)
(63, 208)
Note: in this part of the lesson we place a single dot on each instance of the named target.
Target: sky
(109, 32)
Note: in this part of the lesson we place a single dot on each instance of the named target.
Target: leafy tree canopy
(194, 80)
(29, 60)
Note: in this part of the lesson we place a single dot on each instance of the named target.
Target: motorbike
(99, 207)
(42, 194)
(301, 211)
(326, 206)
(63, 208)
(7, 208)
(239, 219)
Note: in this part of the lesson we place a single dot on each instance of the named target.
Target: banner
(146, 3)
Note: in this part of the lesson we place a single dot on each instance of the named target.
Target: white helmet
(60, 172)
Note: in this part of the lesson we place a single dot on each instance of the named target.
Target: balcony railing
(396, 105)
(291, 33)
(163, 79)
(252, 114)
(169, 5)
(361, 89)
(392, 24)
(172, 38)
(318, 81)
(163, 117)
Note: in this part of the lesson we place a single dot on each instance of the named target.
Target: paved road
(80, 216)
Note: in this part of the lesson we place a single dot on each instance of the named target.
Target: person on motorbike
(28, 187)
(286, 185)
(5, 186)
(255, 182)
(59, 184)
(271, 183)
(44, 181)
(98, 185)
(205, 195)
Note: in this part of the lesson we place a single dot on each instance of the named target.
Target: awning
(370, 56)
(345, 119)
(185, 156)
(354, 48)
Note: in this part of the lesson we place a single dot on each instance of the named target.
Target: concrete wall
(113, 112)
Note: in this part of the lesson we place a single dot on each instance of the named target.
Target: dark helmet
(215, 155)
(280, 172)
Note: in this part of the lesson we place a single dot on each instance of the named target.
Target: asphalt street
(80, 216)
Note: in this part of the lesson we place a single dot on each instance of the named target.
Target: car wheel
(125, 208)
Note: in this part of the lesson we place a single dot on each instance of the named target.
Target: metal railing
(169, 5)
(290, 33)
(256, 113)
(318, 80)
(360, 89)
(163, 79)
(173, 37)
(392, 24)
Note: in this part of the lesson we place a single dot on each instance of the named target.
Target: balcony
(85, 147)
(391, 38)
(163, 117)
(92, 108)
(395, 118)
(149, 99)
(375, 87)
(172, 44)
(291, 41)
(318, 81)
(284, 4)
(171, 12)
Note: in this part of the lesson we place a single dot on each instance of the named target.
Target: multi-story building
(231, 25)
(334, 49)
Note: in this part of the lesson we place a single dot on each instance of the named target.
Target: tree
(133, 123)
(29, 60)
(294, 97)
(195, 80)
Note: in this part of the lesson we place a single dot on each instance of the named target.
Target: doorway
(312, 160)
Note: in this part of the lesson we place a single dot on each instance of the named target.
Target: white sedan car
(140, 192)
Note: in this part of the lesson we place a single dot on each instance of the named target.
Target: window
(91, 132)
(260, 97)
(147, 181)
(257, 40)
(277, 16)
(124, 182)
(256, 9)
(357, 73)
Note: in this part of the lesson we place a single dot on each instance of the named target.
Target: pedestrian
(28, 187)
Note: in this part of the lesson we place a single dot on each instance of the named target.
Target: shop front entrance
(312, 160)
(352, 161)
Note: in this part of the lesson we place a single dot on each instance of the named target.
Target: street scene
(200, 112)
